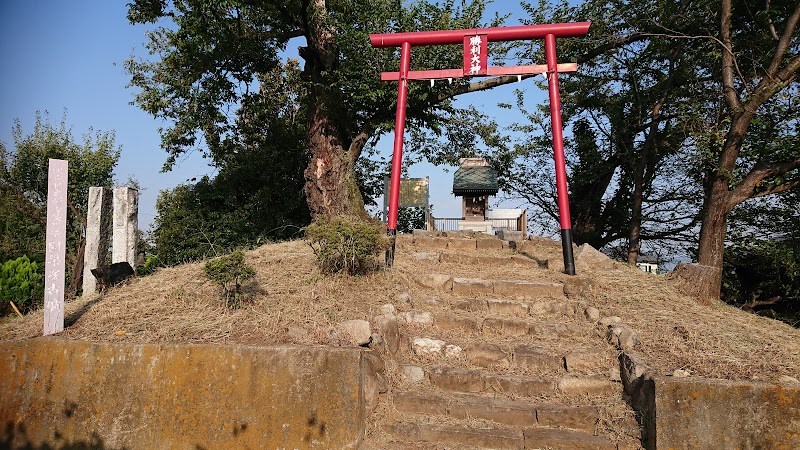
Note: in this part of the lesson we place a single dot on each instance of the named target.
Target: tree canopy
(205, 74)
(23, 189)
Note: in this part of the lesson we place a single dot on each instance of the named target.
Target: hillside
(290, 302)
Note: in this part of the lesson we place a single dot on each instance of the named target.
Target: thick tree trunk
(331, 188)
(712, 237)
(635, 229)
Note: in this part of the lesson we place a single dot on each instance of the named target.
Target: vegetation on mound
(346, 245)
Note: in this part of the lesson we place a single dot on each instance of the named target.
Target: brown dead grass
(291, 302)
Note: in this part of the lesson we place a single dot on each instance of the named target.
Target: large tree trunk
(712, 238)
(331, 188)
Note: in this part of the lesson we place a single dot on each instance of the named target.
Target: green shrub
(151, 263)
(346, 245)
(230, 271)
(22, 282)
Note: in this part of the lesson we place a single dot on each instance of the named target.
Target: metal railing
(505, 224)
(446, 223)
(452, 224)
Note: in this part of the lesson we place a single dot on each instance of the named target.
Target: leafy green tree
(23, 189)
(624, 108)
(763, 276)
(208, 65)
(257, 195)
(726, 86)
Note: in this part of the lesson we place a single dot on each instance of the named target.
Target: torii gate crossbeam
(475, 41)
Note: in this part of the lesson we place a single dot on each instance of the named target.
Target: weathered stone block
(430, 242)
(459, 258)
(506, 235)
(477, 305)
(451, 322)
(416, 318)
(528, 289)
(588, 258)
(535, 357)
(575, 417)
(545, 438)
(419, 403)
(355, 332)
(489, 244)
(459, 437)
(387, 327)
(506, 412)
(98, 232)
(519, 386)
(459, 380)
(508, 308)
(438, 281)
(704, 413)
(472, 286)
(587, 386)
(591, 314)
(584, 360)
(461, 244)
(486, 355)
(125, 225)
(428, 346)
(56, 391)
(413, 374)
(505, 326)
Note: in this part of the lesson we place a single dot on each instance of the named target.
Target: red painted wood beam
(559, 30)
(491, 71)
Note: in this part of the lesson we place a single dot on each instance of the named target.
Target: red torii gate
(475, 43)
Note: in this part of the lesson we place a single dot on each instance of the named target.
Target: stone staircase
(507, 362)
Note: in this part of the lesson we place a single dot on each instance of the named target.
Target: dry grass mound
(290, 302)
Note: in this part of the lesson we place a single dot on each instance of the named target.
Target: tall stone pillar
(126, 225)
(98, 230)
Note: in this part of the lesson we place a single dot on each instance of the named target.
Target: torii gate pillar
(475, 64)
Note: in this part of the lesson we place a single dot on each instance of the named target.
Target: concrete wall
(57, 393)
(702, 413)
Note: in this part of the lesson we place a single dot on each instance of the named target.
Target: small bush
(346, 245)
(151, 263)
(22, 282)
(230, 271)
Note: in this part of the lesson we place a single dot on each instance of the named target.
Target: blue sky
(68, 55)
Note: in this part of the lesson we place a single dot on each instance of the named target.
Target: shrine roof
(475, 180)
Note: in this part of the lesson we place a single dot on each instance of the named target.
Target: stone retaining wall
(57, 393)
(685, 413)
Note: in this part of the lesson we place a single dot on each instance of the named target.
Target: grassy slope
(292, 303)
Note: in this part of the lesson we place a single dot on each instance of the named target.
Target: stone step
(517, 413)
(456, 243)
(519, 308)
(455, 436)
(476, 381)
(494, 326)
(475, 259)
(486, 354)
(519, 289)
(465, 437)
